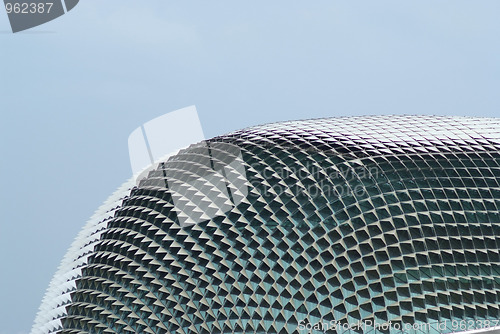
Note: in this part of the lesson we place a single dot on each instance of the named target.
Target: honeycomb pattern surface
(382, 219)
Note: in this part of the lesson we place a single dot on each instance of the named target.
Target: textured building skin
(58, 295)
(386, 219)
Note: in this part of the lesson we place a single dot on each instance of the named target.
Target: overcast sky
(72, 90)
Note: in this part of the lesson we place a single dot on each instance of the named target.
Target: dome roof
(282, 227)
(390, 134)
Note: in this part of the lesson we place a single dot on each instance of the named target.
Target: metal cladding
(294, 227)
(58, 294)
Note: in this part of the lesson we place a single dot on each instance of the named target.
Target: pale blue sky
(71, 91)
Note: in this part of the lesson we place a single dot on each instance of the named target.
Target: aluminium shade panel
(358, 219)
(58, 294)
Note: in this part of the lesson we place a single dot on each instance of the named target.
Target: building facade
(381, 224)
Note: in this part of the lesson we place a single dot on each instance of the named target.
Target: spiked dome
(383, 218)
